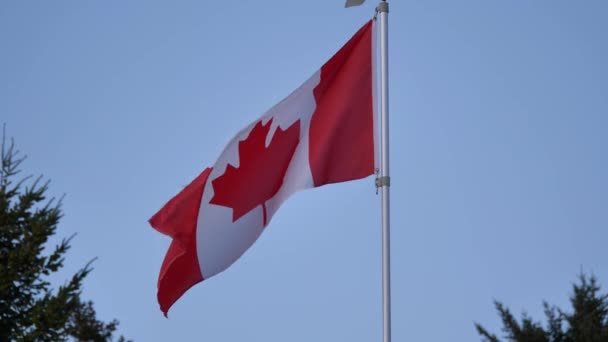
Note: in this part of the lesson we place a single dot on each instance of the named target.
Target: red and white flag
(324, 132)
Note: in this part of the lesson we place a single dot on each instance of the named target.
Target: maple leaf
(261, 170)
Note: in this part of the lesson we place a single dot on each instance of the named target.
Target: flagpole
(384, 179)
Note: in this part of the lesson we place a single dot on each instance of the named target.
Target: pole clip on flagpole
(383, 181)
(382, 7)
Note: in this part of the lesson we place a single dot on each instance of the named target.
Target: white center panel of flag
(220, 240)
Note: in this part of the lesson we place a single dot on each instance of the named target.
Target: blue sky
(499, 111)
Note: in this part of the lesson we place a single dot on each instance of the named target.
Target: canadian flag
(323, 132)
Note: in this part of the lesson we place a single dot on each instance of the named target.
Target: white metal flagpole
(383, 180)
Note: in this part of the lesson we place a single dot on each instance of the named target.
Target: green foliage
(30, 310)
(588, 321)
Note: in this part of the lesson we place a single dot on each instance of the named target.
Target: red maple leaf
(261, 170)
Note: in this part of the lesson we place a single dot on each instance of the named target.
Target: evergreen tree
(587, 322)
(30, 309)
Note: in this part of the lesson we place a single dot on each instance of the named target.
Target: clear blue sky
(499, 113)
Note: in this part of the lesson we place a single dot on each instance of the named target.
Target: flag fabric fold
(177, 219)
(322, 133)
